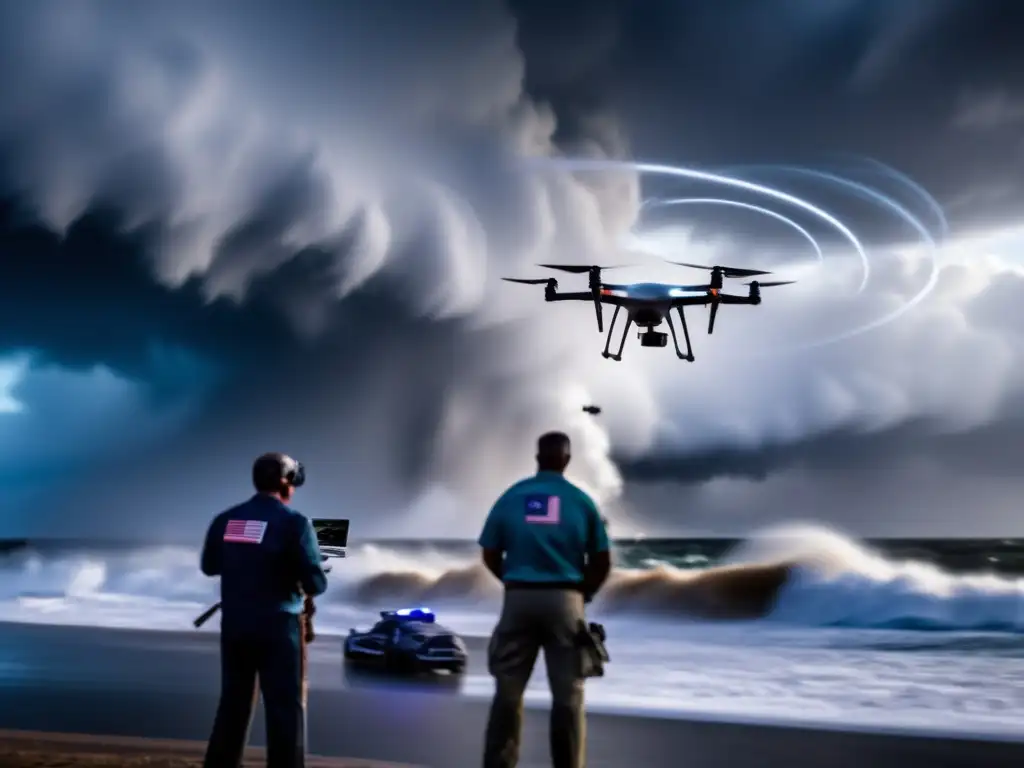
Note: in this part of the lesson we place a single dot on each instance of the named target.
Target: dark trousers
(275, 657)
(531, 621)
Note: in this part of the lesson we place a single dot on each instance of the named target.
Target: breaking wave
(801, 575)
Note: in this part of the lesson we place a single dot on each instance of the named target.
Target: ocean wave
(802, 575)
(838, 582)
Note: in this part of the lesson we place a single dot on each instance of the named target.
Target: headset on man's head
(293, 472)
(281, 465)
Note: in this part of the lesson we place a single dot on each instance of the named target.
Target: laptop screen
(331, 536)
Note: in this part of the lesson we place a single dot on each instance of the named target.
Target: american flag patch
(543, 510)
(245, 531)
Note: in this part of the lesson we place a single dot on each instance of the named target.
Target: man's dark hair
(553, 452)
(268, 472)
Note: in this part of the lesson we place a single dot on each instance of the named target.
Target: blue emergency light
(411, 614)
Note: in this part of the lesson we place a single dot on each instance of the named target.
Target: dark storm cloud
(107, 307)
(791, 81)
(934, 90)
(989, 450)
(255, 228)
(260, 226)
(916, 426)
(910, 478)
(268, 382)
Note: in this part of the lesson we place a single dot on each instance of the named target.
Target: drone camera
(653, 339)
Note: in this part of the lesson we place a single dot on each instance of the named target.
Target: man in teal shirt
(546, 541)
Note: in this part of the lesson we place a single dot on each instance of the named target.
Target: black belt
(576, 586)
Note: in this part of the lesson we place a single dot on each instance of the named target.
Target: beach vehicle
(407, 641)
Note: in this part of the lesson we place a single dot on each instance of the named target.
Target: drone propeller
(755, 296)
(527, 280)
(594, 272)
(725, 271)
(576, 269)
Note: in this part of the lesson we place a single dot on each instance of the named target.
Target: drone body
(648, 305)
(593, 410)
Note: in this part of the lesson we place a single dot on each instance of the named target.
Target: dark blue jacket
(263, 552)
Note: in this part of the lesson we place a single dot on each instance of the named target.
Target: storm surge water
(795, 624)
(794, 575)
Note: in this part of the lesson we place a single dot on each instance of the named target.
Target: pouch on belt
(590, 639)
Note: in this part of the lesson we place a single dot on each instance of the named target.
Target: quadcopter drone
(647, 304)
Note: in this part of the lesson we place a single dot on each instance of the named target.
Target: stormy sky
(234, 227)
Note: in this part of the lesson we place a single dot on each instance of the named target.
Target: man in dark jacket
(268, 561)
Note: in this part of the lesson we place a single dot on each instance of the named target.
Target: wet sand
(30, 749)
(164, 686)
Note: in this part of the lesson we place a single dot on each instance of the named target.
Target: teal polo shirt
(546, 526)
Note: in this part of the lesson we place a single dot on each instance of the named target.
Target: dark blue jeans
(274, 657)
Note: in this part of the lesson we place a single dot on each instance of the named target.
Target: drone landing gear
(688, 355)
(611, 327)
(686, 335)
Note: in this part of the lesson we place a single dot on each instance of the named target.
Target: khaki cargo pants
(530, 620)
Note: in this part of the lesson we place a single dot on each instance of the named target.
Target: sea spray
(796, 574)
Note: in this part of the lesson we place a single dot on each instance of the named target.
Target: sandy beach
(33, 749)
(163, 685)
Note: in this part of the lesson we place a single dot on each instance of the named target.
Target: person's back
(545, 540)
(549, 525)
(268, 561)
(261, 565)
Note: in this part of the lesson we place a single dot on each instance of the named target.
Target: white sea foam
(830, 580)
(842, 645)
